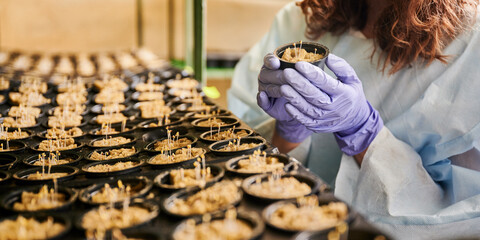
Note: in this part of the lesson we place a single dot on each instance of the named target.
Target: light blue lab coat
(434, 109)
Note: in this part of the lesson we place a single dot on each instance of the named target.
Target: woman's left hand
(326, 104)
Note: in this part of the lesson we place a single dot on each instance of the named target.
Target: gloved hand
(269, 80)
(325, 104)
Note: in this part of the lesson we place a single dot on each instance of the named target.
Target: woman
(402, 107)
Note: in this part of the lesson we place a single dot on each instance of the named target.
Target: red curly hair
(405, 31)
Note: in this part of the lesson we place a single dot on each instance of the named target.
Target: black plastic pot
(251, 218)
(183, 194)
(43, 217)
(34, 158)
(204, 135)
(88, 156)
(272, 208)
(131, 137)
(229, 122)
(163, 179)
(150, 147)
(232, 164)
(215, 147)
(150, 206)
(309, 47)
(174, 164)
(16, 145)
(11, 198)
(145, 124)
(21, 176)
(140, 186)
(80, 145)
(135, 168)
(311, 182)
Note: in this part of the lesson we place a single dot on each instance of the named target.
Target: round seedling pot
(9, 200)
(250, 218)
(229, 122)
(140, 186)
(31, 160)
(79, 146)
(248, 182)
(216, 147)
(173, 164)
(132, 138)
(89, 173)
(129, 128)
(309, 47)
(204, 135)
(43, 217)
(232, 164)
(150, 147)
(43, 134)
(15, 147)
(150, 206)
(38, 122)
(21, 176)
(183, 194)
(89, 155)
(145, 124)
(30, 134)
(164, 182)
(272, 208)
(216, 113)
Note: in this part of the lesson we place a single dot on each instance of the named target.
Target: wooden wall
(233, 26)
(67, 25)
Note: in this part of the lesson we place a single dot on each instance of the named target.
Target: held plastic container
(309, 47)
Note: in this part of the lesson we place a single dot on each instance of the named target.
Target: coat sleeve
(393, 190)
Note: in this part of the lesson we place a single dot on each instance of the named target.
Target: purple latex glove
(269, 80)
(325, 104)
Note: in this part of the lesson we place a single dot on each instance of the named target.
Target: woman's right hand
(269, 80)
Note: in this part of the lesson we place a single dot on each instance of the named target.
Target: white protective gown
(407, 185)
